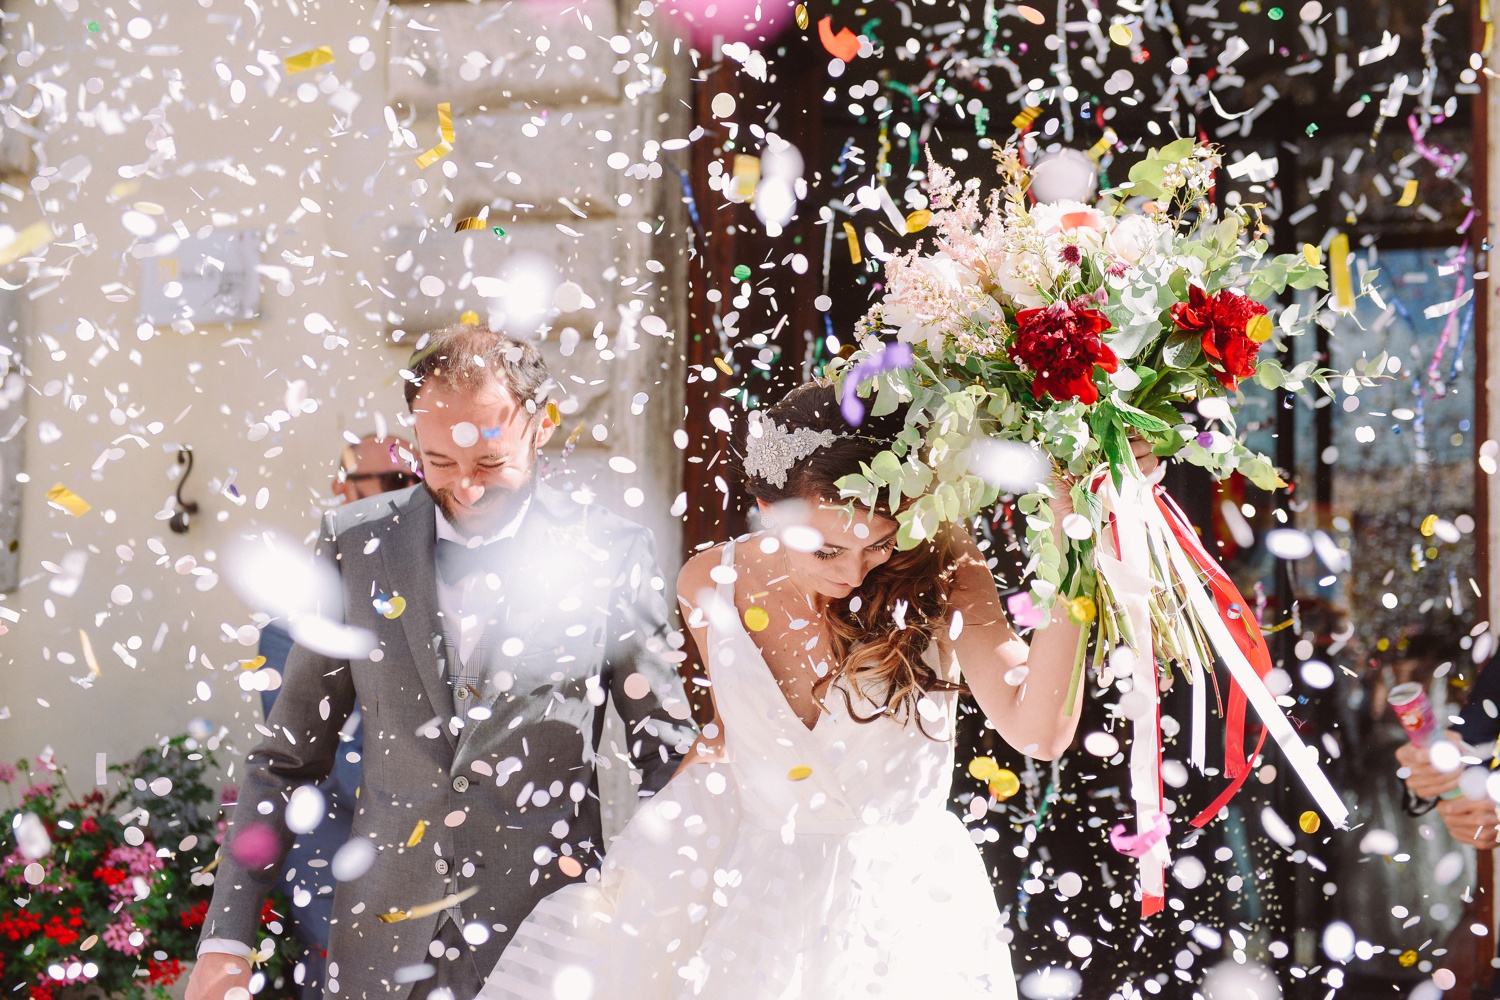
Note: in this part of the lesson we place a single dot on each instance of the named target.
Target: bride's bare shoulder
(696, 572)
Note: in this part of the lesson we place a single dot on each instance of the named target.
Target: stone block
(499, 54)
(524, 161)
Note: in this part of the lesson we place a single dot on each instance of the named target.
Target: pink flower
(7, 772)
(117, 936)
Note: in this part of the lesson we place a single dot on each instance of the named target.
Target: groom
(483, 621)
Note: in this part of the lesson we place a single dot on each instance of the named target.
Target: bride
(804, 849)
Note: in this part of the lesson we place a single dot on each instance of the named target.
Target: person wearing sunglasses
(373, 466)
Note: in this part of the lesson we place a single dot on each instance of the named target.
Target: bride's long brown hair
(871, 649)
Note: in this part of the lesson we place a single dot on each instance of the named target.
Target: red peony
(1222, 319)
(1060, 344)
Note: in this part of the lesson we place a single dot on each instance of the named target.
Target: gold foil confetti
(428, 909)
(802, 19)
(395, 606)
(553, 414)
(1343, 282)
(756, 619)
(1120, 34)
(68, 500)
(918, 220)
(445, 129)
(854, 255)
(1310, 822)
(1259, 328)
(255, 663)
(320, 56)
(417, 833)
(1408, 194)
(799, 773)
(1026, 117)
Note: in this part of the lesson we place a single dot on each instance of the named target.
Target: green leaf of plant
(1183, 349)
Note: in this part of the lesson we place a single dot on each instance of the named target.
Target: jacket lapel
(407, 553)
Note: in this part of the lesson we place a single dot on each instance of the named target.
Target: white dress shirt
(457, 602)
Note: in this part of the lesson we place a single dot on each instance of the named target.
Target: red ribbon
(1242, 625)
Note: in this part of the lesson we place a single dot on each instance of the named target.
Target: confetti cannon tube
(1412, 707)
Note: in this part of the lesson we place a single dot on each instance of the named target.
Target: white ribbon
(1132, 589)
(1304, 759)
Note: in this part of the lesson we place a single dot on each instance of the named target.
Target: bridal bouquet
(1050, 335)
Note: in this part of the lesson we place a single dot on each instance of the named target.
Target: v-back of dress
(812, 863)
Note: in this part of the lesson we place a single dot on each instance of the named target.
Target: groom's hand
(215, 974)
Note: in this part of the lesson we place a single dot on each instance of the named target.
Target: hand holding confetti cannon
(1052, 334)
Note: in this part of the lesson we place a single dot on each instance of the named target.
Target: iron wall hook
(185, 508)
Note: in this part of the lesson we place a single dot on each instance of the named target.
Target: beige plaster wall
(309, 160)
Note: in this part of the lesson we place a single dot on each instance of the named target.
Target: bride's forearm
(1035, 716)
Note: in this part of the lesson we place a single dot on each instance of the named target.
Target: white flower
(1019, 275)
(1133, 237)
(1069, 217)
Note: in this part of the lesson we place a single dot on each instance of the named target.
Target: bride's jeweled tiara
(771, 450)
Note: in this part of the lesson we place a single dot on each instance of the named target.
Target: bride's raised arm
(1034, 716)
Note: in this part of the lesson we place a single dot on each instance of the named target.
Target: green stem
(1083, 645)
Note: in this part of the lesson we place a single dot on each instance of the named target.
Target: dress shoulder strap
(726, 589)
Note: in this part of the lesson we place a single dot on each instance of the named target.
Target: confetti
(569, 866)
(428, 909)
(1120, 34)
(417, 833)
(1031, 14)
(394, 607)
(844, 45)
(741, 272)
(802, 18)
(473, 222)
(1005, 784)
(254, 663)
(68, 500)
(1408, 194)
(1025, 118)
(984, 768)
(799, 773)
(1259, 328)
(918, 220)
(756, 619)
(445, 129)
(320, 56)
(88, 652)
(723, 366)
(554, 414)
(1343, 282)
(1310, 822)
(854, 255)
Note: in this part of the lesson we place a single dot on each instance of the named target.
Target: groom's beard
(494, 510)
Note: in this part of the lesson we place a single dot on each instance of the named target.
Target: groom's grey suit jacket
(500, 803)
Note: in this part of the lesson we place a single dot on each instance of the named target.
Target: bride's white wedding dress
(816, 863)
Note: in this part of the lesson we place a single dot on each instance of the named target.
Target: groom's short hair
(468, 357)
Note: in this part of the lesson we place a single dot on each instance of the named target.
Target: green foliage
(107, 892)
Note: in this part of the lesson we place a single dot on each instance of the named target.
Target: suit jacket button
(441, 865)
(460, 784)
